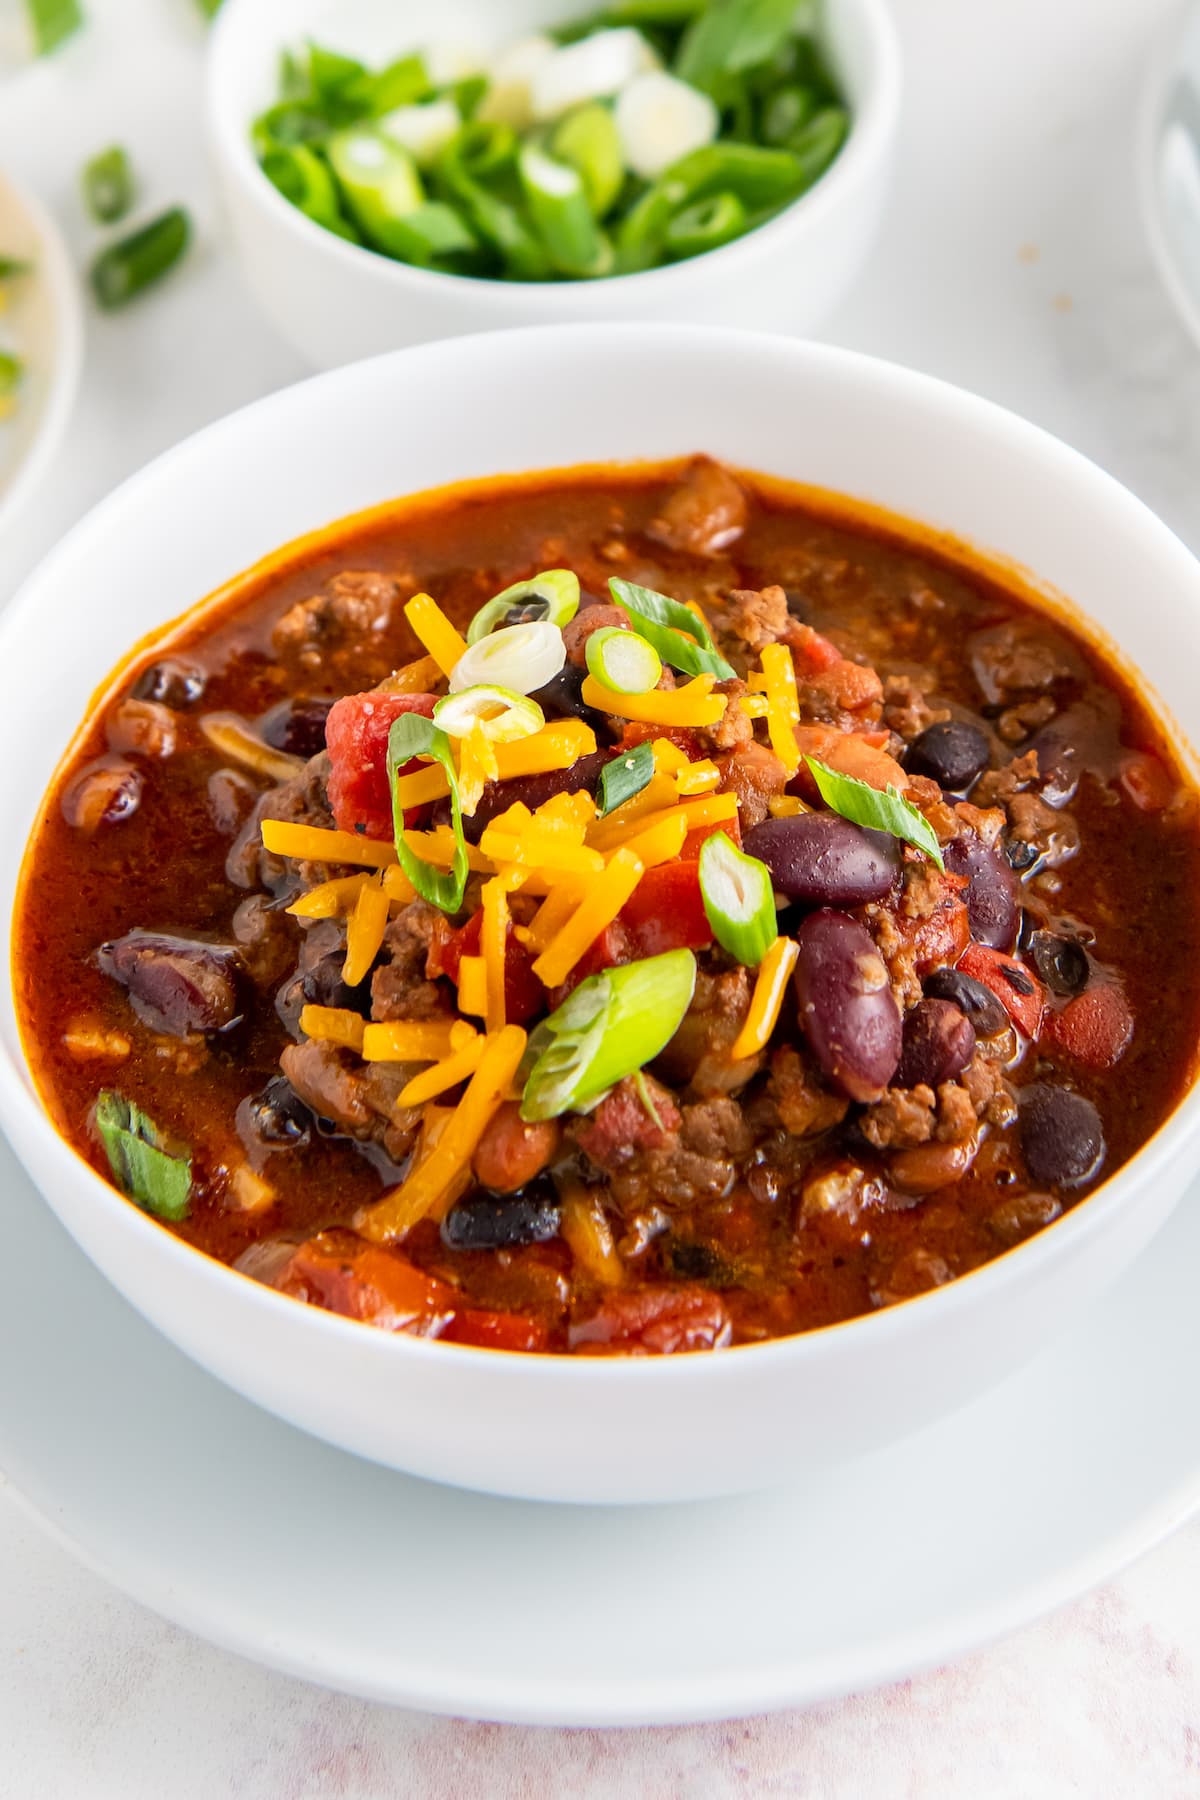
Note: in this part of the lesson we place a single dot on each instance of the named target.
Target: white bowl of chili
(548, 1426)
(336, 300)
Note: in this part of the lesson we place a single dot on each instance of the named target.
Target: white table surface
(1013, 262)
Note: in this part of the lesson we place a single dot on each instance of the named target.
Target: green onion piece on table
(705, 226)
(623, 661)
(738, 899)
(135, 263)
(503, 716)
(625, 776)
(879, 811)
(210, 8)
(562, 217)
(53, 22)
(587, 140)
(159, 1182)
(108, 185)
(612, 1025)
(410, 736)
(553, 595)
(663, 622)
(13, 266)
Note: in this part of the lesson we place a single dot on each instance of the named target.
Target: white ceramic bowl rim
(871, 127)
(22, 1112)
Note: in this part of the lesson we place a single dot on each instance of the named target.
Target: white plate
(43, 324)
(273, 1544)
(1169, 164)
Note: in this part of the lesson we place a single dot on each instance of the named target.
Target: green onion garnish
(662, 622)
(738, 899)
(552, 595)
(625, 776)
(705, 226)
(108, 185)
(611, 1025)
(625, 662)
(159, 1182)
(138, 261)
(587, 139)
(380, 184)
(864, 805)
(12, 370)
(410, 736)
(558, 205)
(732, 36)
(504, 716)
(53, 21)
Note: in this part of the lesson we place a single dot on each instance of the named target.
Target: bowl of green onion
(389, 179)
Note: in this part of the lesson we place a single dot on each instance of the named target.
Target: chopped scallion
(411, 736)
(662, 622)
(108, 185)
(705, 226)
(625, 776)
(159, 1182)
(558, 205)
(502, 715)
(552, 595)
(879, 811)
(136, 262)
(738, 899)
(12, 369)
(623, 661)
(521, 657)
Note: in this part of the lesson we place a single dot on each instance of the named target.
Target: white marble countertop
(1013, 262)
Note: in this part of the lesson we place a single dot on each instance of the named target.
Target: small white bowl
(334, 301)
(1169, 163)
(43, 324)
(552, 1427)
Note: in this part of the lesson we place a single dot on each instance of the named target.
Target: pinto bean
(511, 1152)
(103, 793)
(939, 1042)
(171, 683)
(926, 1167)
(992, 892)
(848, 1012)
(825, 860)
(141, 728)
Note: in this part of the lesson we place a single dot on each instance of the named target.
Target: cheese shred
(766, 1001)
(444, 644)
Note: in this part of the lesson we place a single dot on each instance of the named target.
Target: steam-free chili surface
(1049, 1007)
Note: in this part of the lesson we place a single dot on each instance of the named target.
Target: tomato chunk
(653, 1321)
(810, 651)
(683, 739)
(942, 935)
(496, 1330)
(356, 735)
(857, 753)
(343, 1274)
(1147, 782)
(1094, 1028)
(1017, 988)
(523, 993)
(666, 911)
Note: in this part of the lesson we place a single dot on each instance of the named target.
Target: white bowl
(560, 1427)
(334, 301)
(43, 324)
(1169, 163)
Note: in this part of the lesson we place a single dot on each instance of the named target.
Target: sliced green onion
(521, 657)
(499, 224)
(611, 1025)
(411, 735)
(503, 715)
(757, 176)
(662, 622)
(879, 811)
(623, 661)
(305, 179)
(625, 776)
(560, 211)
(53, 21)
(290, 122)
(738, 899)
(12, 368)
(108, 185)
(402, 83)
(732, 36)
(705, 226)
(424, 129)
(380, 184)
(818, 143)
(640, 234)
(653, 12)
(467, 93)
(333, 78)
(136, 262)
(588, 141)
(12, 266)
(785, 112)
(660, 119)
(552, 595)
(159, 1182)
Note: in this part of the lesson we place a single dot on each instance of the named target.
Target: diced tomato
(692, 842)
(679, 735)
(1147, 782)
(523, 992)
(356, 735)
(858, 753)
(810, 651)
(942, 935)
(1017, 988)
(343, 1274)
(847, 686)
(1094, 1028)
(667, 912)
(496, 1330)
(654, 1321)
(622, 1123)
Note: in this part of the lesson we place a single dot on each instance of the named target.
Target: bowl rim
(55, 272)
(872, 127)
(1162, 66)
(26, 1119)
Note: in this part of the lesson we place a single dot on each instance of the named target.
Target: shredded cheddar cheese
(658, 793)
(786, 806)
(364, 933)
(556, 746)
(604, 900)
(778, 682)
(589, 1236)
(415, 1040)
(472, 987)
(420, 786)
(712, 809)
(552, 915)
(333, 1025)
(444, 644)
(418, 677)
(766, 1001)
(493, 944)
(697, 778)
(692, 704)
(437, 847)
(477, 766)
(313, 843)
(330, 900)
(668, 757)
(444, 1075)
(660, 842)
(754, 705)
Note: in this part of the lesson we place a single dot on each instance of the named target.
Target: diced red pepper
(694, 839)
(1017, 988)
(1094, 1028)
(810, 651)
(666, 911)
(942, 935)
(613, 947)
(356, 735)
(1147, 782)
(496, 1330)
(523, 992)
(679, 735)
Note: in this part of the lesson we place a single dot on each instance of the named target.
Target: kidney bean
(952, 753)
(992, 890)
(495, 1222)
(1061, 962)
(981, 1006)
(824, 860)
(103, 793)
(175, 984)
(924, 1168)
(1095, 1028)
(939, 1042)
(1061, 1136)
(297, 726)
(172, 683)
(511, 1152)
(848, 1012)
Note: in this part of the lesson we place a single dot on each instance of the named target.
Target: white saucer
(268, 1542)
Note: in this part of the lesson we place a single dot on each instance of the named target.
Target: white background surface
(1013, 262)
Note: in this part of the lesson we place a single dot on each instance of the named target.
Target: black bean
(175, 984)
(322, 985)
(562, 697)
(1061, 962)
(530, 611)
(939, 1042)
(992, 890)
(174, 683)
(1019, 855)
(952, 753)
(824, 860)
(847, 1010)
(1061, 1136)
(798, 604)
(277, 1116)
(297, 726)
(531, 790)
(498, 1221)
(979, 1003)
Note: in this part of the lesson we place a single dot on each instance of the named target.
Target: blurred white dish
(1169, 164)
(335, 301)
(43, 324)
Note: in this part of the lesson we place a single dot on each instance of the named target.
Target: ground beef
(1053, 834)
(351, 613)
(734, 731)
(899, 953)
(986, 823)
(904, 1117)
(755, 774)
(399, 986)
(1016, 722)
(755, 616)
(300, 801)
(1020, 658)
(956, 1113)
(804, 1107)
(704, 514)
(716, 1128)
(699, 1054)
(634, 1118)
(906, 711)
(924, 890)
(266, 940)
(846, 693)
(996, 787)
